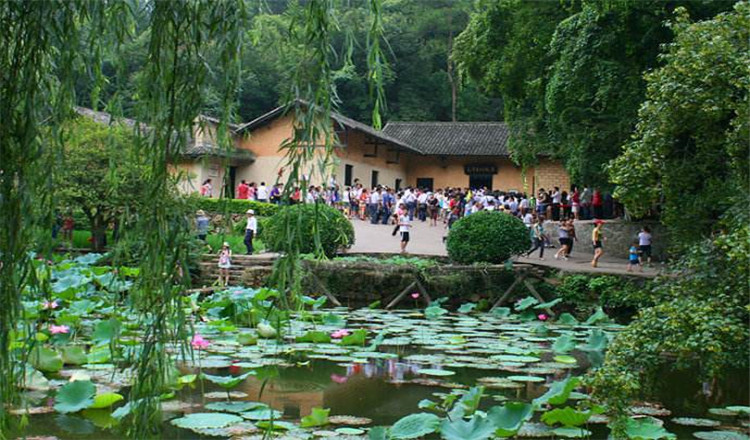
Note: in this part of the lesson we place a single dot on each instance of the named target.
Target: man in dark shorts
(404, 226)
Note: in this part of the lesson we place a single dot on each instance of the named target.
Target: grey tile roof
(339, 118)
(192, 149)
(452, 138)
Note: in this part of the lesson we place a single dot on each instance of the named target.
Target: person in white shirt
(644, 245)
(262, 193)
(528, 219)
(251, 229)
(404, 227)
(374, 205)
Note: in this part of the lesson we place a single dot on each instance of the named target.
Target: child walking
(225, 262)
(634, 257)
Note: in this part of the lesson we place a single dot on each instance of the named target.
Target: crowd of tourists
(399, 208)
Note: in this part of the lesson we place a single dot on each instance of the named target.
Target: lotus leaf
(722, 412)
(206, 420)
(227, 382)
(262, 414)
(646, 428)
(357, 337)
(235, 407)
(349, 420)
(567, 416)
(105, 400)
(558, 392)
(75, 396)
(598, 317)
(720, 435)
(378, 433)
(548, 304)
(739, 409)
(34, 380)
(509, 418)
(689, 421)
(565, 359)
(501, 312)
(74, 355)
(477, 428)
(435, 372)
(45, 359)
(334, 320)
(415, 426)
(526, 378)
(526, 303)
(466, 308)
(570, 432)
(318, 417)
(563, 344)
(349, 431)
(315, 336)
(434, 312)
(247, 339)
(597, 341)
(266, 331)
(275, 425)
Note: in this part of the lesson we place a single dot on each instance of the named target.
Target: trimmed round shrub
(487, 237)
(334, 229)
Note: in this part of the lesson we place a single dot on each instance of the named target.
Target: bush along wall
(235, 206)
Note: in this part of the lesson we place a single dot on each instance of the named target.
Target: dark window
(398, 184)
(374, 178)
(424, 183)
(348, 171)
(477, 181)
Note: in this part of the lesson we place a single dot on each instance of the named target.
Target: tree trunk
(98, 233)
(451, 79)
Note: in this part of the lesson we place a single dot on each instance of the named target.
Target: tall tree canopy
(569, 73)
(690, 147)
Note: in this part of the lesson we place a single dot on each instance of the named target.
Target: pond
(333, 372)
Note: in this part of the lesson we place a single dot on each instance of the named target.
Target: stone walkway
(427, 240)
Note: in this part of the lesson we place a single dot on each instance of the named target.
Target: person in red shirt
(596, 202)
(242, 190)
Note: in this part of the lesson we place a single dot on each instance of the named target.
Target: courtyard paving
(427, 240)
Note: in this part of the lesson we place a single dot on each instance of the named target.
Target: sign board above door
(480, 169)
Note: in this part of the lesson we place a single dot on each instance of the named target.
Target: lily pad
(569, 432)
(526, 378)
(435, 372)
(565, 359)
(646, 428)
(75, 396)
(262, 414)
(235, 407)
(349, 420)
(415, 426)
(105, 400)
(477, 428)
(349, 431)
(206, 420)
(689, 421)
(720, 435)
(46, 360)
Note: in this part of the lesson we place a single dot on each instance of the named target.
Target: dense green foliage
(690, 148)
(584, 293)
(331, 230)
(487, 237)
(699, 320)
(419, 78)
(569, 73)
(235, 206)
(99, 174)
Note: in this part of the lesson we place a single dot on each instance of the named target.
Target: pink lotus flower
(49, 305)
(199, 343)
(542, 317)
(415, 295)
(339, 379)
(56, 329)
(338, 334)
